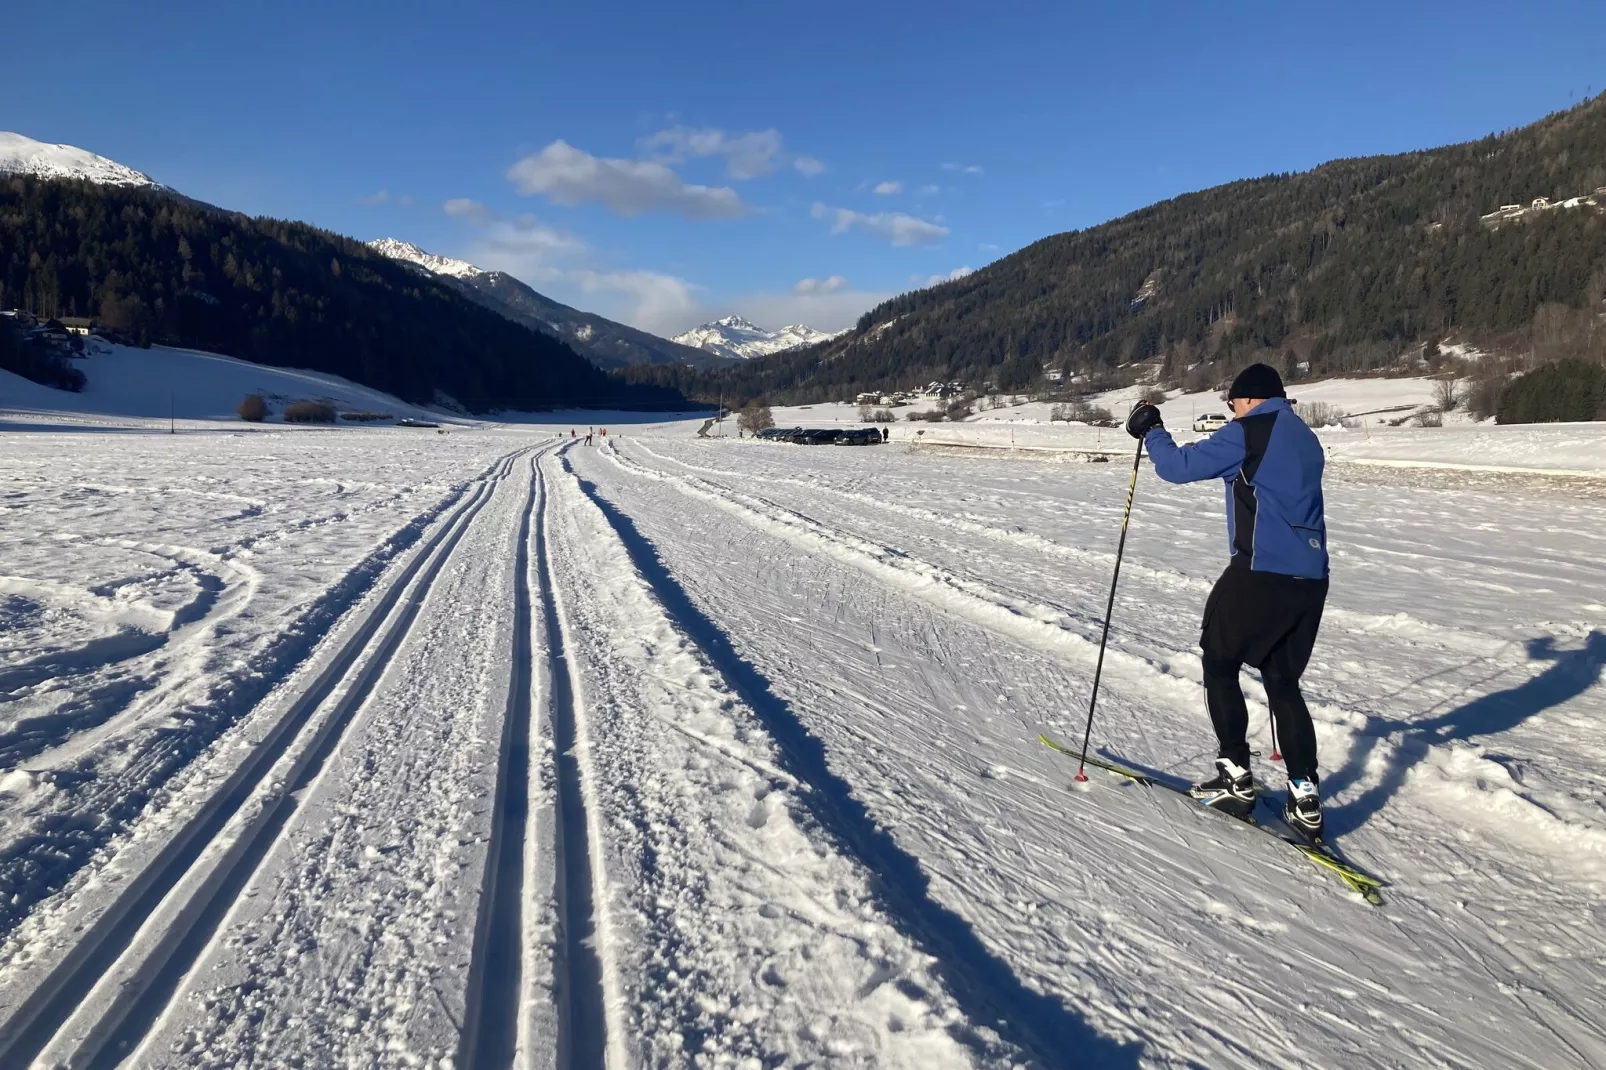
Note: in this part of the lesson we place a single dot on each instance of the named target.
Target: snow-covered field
(354, 748)
(143, 389)
(1462, 445)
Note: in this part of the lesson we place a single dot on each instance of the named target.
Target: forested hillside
(1341, 267)
(161, 268)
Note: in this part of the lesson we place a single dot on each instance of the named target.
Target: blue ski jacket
(1272, 465)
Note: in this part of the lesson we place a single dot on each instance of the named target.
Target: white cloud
(928, 191)
(808, 165)
(886, 189)
(964, 169)
(662, 304)
(825, 311)
(936, 280)
(820, 286)
(525, 246)
(571, 176)
(987, 247)
(893, 227)
(473, 211)
(555, 260)
(746, 155)
(375, 198)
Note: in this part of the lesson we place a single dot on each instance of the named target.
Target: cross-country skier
(1265, 609)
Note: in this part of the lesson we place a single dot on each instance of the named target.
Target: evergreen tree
(154, 267)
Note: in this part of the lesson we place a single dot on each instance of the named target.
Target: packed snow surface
(435, 265)
(25, 156)
(363, 748)
(734, 336)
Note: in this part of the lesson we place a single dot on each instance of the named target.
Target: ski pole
(1109, 610)
(1271, 719)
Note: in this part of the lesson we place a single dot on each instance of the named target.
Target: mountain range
(82, 236)
(605, 343)
(737, 338)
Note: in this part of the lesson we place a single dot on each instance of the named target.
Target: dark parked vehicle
(772, 432)
(818, 436)
(859, 436)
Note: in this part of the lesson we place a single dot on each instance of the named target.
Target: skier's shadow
(1571, 673)
(1047, 1027)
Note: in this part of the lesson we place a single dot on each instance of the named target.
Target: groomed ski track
(671, 753)
(927, 655)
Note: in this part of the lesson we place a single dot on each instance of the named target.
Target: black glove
(1145, 418)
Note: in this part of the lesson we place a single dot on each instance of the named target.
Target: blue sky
(664, 164)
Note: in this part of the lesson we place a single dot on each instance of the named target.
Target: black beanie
(1257, 381)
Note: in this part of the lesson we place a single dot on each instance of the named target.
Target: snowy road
(670, 753)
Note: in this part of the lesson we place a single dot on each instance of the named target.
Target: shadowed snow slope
(129, 385)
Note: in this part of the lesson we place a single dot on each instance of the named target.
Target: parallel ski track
(105, 1036)
(497, 982)
(582, 1019)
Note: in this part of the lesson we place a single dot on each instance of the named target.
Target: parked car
(818, 436)
(771, 432)
(1210, 421)
(859, 436)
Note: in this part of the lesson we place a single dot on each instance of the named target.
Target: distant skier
(1266, 608)
(884, 434)
(588, 438)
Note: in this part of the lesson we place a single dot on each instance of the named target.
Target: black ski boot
(1303, 811)
(1232, 789)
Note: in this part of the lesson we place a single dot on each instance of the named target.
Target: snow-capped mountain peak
(734, 336)
(24, 156)
(435, 265)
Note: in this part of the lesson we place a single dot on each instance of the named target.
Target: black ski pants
(1269, 621)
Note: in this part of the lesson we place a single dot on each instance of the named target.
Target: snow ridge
(24, 156)
(734, 336)
(409, 253)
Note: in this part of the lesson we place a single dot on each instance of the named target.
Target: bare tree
(1447, 392)
(755, 417)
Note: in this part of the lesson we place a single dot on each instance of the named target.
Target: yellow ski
(1319, 853)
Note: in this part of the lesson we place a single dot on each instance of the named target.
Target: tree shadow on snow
(1570, 674)
(986, 989)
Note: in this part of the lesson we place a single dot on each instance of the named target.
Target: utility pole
(172, 413)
